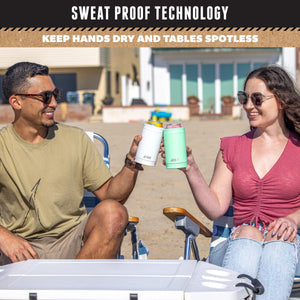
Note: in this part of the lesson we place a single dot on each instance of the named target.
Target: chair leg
(131, 227)
(190, 241)
(134, 242)
(195, 249)
(187, 249)
(134, 239)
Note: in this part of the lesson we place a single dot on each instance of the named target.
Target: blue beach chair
(221, 230)
(139, 249)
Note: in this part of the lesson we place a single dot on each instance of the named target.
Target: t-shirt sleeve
(227, 148)
(95, 171)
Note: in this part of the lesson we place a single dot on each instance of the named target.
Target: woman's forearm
(205, 198)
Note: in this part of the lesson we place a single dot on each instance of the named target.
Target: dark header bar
(206, 13)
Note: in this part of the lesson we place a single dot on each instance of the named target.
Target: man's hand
(134, 147)
(16, 248)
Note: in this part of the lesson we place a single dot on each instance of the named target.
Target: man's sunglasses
(256, 98)
(45, 96)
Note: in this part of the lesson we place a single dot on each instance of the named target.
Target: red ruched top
(265, 199)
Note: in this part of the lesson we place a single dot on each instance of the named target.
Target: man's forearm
(121, 185)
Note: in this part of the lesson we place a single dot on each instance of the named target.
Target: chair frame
(190, 226)
(221, 231)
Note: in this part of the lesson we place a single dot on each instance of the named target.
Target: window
(117, 82)
(176, 72)
(226, 76)
(67, 82)
(208, 78)
(191, 79)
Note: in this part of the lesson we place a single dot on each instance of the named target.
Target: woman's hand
(190, 158)
(284, 229)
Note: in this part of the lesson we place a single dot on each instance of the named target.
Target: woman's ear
(15, 102)
(280, 105)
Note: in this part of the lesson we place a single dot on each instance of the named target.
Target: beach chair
(139, 249)
(161, 115)
(190, 226)
(185, 222)
(221, 230)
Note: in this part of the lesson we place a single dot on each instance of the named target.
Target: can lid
(177, 125)
(155, 123)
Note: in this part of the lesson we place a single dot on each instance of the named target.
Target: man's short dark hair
(15, 79)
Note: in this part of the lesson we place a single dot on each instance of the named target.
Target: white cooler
(214, 283)
(117, 279)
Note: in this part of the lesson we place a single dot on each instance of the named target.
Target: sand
(158, 187)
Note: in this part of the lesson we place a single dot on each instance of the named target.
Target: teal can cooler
(175, 146)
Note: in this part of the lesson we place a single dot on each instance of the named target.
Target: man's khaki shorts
(65, 247)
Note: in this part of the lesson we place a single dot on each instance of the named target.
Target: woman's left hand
(283, 229)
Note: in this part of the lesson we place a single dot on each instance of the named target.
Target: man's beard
(48, 125)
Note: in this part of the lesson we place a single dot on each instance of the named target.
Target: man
(44, 168)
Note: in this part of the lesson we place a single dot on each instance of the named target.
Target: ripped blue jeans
(273, 263)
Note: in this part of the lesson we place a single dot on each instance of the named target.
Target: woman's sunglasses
(45, 96)
(256, 98)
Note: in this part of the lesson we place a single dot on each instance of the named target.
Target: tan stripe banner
(150, 37)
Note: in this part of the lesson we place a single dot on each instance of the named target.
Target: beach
(158, 187)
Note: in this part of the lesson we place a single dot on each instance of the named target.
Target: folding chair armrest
(132, 219)
(132, 222)
(173, 212)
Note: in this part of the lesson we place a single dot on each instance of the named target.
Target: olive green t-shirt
(41, 185)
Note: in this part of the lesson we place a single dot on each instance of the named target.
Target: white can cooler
(148, 148)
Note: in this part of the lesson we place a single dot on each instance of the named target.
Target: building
(167, 76)
(90, 75)
(170, 75)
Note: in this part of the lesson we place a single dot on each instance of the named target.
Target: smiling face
(32, 111)
(269, 112)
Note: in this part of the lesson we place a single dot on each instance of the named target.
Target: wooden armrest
(132, 219)
(172, 212)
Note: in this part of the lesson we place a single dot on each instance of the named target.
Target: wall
(146, 73)
(122, 61)
(140, 113)
(52, 57)
(161, 83)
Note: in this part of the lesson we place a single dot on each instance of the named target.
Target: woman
(260, 171)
